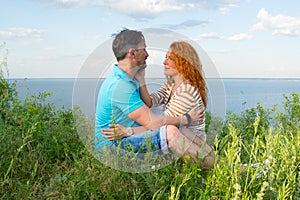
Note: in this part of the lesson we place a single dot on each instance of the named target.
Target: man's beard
(142, 66)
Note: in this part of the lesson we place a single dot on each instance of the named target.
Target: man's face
(141, 54)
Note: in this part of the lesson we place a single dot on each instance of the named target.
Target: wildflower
(261, 194)
(238, 191)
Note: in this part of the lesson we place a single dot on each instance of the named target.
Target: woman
(185, 86)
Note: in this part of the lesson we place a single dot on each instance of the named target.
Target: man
(119, 102)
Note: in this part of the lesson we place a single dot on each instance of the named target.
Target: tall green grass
(42, 157)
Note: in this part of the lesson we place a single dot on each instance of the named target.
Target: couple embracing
(124, 118)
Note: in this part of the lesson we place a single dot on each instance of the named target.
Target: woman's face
(169, 64)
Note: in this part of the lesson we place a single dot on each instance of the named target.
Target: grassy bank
(42, 157)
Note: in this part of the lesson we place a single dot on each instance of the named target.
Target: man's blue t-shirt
(118, 96)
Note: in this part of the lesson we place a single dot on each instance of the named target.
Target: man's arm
(118, 131)
(146, 118)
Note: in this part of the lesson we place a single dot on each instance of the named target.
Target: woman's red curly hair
(188, 64)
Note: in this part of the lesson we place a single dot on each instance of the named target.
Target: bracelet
(129, 131)
(189, 119)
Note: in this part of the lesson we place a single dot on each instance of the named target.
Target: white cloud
(186, 24)
(145, 8)
(237, 37)
(21, 33)
(133, 8)
(278, 24)
(149, 8)
(209, 36)
(226, 9)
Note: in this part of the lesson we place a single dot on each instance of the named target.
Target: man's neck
(127, 67)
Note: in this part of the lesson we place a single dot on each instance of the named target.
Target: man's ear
(131, 52)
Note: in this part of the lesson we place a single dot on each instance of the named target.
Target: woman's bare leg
(183, 145)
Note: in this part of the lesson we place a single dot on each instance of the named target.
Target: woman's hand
(117, 131)
(140, 75)
(196, 115)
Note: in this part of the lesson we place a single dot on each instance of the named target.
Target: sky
(243, 39)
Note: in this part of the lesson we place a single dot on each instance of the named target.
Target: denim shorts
(148, 141)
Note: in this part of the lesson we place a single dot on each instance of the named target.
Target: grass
(43, 157)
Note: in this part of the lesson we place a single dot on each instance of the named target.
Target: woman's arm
(145, 96)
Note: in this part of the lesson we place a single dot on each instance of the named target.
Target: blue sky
(244, 39)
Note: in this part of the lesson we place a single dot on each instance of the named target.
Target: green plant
(42, 157)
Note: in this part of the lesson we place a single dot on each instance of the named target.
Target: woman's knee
(171, 132)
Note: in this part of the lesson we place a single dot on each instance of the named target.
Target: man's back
(118, 96)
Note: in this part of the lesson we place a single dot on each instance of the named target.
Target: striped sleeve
(160, 97)
(185, 98)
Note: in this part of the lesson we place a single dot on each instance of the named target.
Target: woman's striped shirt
(185, 97)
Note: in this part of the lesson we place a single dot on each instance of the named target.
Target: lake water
(225, 95)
